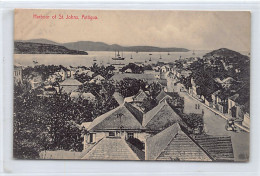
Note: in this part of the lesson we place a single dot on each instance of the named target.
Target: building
(113, 148)
(246, 120)
(160, 117)
(175, 144)
(36, 82)
(17, 74)
(97, 79)
(125, 121)
(238, 104)
(64, 72)
(70, 85)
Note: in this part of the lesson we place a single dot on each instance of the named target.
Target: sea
(102, 58)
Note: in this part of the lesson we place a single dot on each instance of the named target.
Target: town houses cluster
(163, 132)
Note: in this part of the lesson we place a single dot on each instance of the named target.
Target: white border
(62, 167)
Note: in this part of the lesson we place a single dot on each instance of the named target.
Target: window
(111, 133)
(91, 137)
(130, 135)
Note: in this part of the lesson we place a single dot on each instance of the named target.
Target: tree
(130, 86)
(154, 89)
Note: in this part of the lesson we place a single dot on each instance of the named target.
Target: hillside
(40, 48)
(226, 54)
(100, 46)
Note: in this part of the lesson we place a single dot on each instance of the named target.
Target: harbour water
(102, 57)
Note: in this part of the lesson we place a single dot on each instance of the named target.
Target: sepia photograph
(149, 85)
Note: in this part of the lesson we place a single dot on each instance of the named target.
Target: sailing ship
(168, 53)
(150, 59)
(193, 53)
(160, 57)
(118, 57)
(131, 57)
(35, 62)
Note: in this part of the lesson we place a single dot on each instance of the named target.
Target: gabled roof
(164, 94)
(161, 95)
(122, 117)
(118, 97)
(140, 96)
(114, 149)
(99, 77)
(70, 82)
(173, 144)
(160, 117)
(88, 96)
(218, 147)
(75, 95)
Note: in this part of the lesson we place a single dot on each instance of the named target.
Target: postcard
(131, 85)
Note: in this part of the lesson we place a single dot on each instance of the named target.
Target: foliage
(154, 89)
(51, 123)
(130, 86)
(134, 68)
(148, 104)
(44, 70)
(106, 72)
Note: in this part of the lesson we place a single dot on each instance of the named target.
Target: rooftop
(123, 117)
(160, 117)
(114, 149)
(173, 144)
(70, 82)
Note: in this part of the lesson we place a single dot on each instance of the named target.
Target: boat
(150, 59)
(131, 57)
(160, 57)
(150, 54)
(35, 62)
(118, 56)
(94, 60)
(193, 53)
(168, 53)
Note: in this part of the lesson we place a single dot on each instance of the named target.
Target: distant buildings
(69, 85)
(17, 74)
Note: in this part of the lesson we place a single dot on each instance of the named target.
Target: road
(214, 124)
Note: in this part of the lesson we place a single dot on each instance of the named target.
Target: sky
(194, 30)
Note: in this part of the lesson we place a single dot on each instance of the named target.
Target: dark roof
(119, 77)
(218, 147)
(242, 96)
(173, 144)
(138, 114)
(114, 149)
(160, 117)
(123, 117)
(161, 95)
(164, 94)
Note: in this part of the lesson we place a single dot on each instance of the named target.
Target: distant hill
(228, 56)
(100, 46)
(225, 53)
(41, 48)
